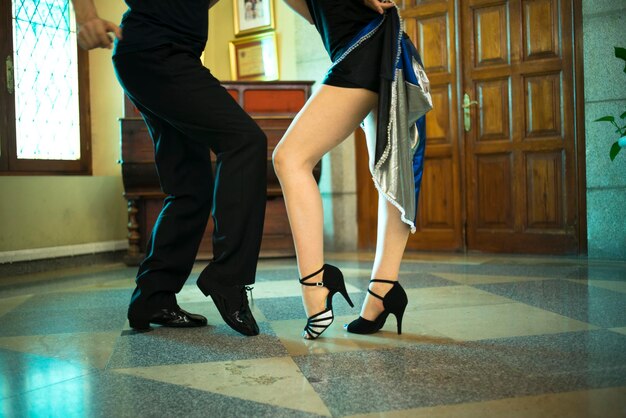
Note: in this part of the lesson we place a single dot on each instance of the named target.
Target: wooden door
(512, 182)
(520, 160)
(432, 27)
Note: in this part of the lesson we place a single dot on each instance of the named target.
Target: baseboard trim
(62, 251)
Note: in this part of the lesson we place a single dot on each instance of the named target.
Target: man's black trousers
(188, 113)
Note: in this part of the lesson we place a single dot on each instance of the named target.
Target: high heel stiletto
(394, 302)
(332, 279)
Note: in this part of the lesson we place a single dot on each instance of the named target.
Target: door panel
(437, 123)
(540, 29)
(543, 106)
(493, 179)
(493, 100)
(436, 212)
(432, 34)
(490, 40)
(544, 180)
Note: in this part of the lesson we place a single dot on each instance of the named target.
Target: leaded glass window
(46, 80)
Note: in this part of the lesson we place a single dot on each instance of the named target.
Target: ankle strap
(312, 275)
(384, 281)
(380, 281)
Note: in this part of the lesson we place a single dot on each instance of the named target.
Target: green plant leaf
(605, 119)
(621, 53)
(623, 115)
(615, 149)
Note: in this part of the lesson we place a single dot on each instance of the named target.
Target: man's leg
(173, 86)
(185, 175)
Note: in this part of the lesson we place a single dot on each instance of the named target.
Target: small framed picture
(254, 58)
(253, 16)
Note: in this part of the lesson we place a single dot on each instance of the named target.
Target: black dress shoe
(232, 303)
(168, 317)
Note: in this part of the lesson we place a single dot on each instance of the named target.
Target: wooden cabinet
(273, 105)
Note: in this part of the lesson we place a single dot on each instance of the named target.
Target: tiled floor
(483, 336)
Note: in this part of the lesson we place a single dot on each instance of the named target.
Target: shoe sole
(143, 326)
(139, 325)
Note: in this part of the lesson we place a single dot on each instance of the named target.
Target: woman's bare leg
(329, 117)
(392, 235)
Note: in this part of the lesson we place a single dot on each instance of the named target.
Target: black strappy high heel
(333, 280)
(394, 302)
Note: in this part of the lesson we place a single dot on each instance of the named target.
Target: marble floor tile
(274, 381)
(621, 330)
(450, 297)
(127, 283)
(91, 349)
(285, 288)
(601, 271)
(595, 403)
(31, 322)
(614, 285)
(55, 281)
(9, 304)
(426, 375)
(416, 257)
(473, 279)
(567, 353)
(24, 372)
(66, 274)
(164, 346)
(115, 299)
(351, 272)
(111, 394)
(590, 304)
(279, 309)
(279, 272)
(496, 321)
(473, 259)
(483, 335)
(336, 339)
(519, 270)
(408, 280)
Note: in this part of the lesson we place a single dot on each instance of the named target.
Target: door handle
(467, 102)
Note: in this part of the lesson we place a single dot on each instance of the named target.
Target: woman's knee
(280, 158)
(288, 161)
(285, 161)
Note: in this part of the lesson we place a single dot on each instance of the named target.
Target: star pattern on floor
(482, 336)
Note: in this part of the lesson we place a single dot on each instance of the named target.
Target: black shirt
(338, 21)
(151, 23)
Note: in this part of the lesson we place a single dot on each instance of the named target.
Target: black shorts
(360, 68)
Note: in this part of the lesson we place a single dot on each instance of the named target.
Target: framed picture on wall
(254, 58)
(252, 16)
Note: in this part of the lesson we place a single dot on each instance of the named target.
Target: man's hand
(378, 5)
(94, 33)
